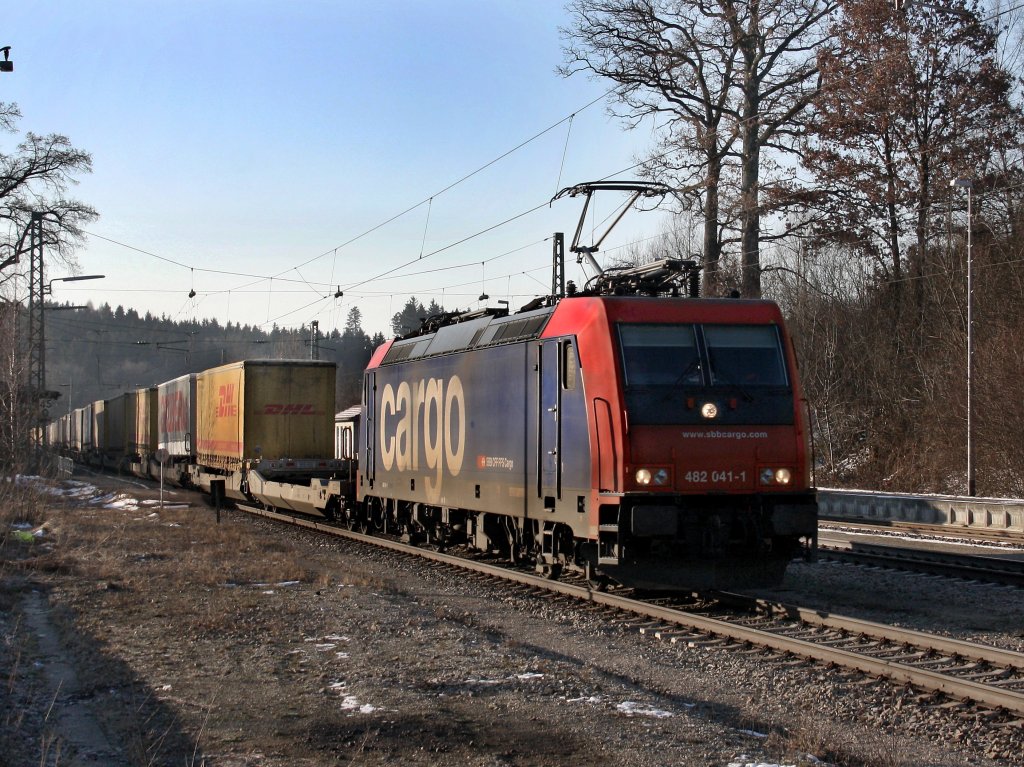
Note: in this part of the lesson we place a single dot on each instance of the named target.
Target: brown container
(145, 421)
(264, 409)
(128, 403)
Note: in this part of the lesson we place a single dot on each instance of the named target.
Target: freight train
(629, 431)
(651, 441)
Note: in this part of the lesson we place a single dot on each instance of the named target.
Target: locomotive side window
(660, 355)
(569, 366)
(745, 355)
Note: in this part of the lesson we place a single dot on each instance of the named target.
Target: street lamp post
(79, 278)
(967, 184)
(47, 290)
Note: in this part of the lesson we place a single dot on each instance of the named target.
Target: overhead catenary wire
(387, 274)
(467, 176)
(334, 250)
(394, 273)
(565, 152)
(426, 224)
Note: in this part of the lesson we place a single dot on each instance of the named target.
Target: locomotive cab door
(549, 431)
(367, 461)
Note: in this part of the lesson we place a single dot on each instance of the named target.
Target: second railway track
(926, 549)
(969, 567)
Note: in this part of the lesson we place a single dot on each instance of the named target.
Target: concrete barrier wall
(995, 514)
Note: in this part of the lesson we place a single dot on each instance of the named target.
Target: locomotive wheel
(376, 519)
(597, 580)
(550, 570)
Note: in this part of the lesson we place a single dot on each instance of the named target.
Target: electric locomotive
(631, 431)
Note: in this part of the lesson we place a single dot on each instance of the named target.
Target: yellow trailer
(264, 410)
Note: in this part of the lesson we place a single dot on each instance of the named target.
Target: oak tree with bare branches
(909, 101)
(34, 179)
(728, 83)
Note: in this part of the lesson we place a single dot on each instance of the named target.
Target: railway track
(948, 564)
(962, 671)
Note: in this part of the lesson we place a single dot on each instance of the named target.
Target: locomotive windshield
(670, 370)
(658, 355)
(745, 355)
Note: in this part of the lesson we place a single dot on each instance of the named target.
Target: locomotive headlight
(643, 476)
(709, 410)
(776, 476)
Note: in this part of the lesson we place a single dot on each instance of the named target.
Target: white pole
(971, 486)
(968, 184)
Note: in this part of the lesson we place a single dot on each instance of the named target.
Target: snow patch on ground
(631, 708)
(524, 677)
(807, 759)
(350, 702)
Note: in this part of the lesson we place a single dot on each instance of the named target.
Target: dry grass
(182, 546)
(26, 729)
(22, 698)
(202, 577)
(21, 503)
(832, 743)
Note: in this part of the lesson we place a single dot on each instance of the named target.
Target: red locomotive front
(698, 442)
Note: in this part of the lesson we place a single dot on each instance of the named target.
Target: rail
(988, 569)
(991, 677)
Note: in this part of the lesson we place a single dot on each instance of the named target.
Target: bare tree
(911, 101)
(725, 80)
(35, 178)
(676, 64)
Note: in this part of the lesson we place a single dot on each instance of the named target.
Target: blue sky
(256, 138)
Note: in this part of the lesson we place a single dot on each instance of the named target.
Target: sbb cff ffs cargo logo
(424, 418)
